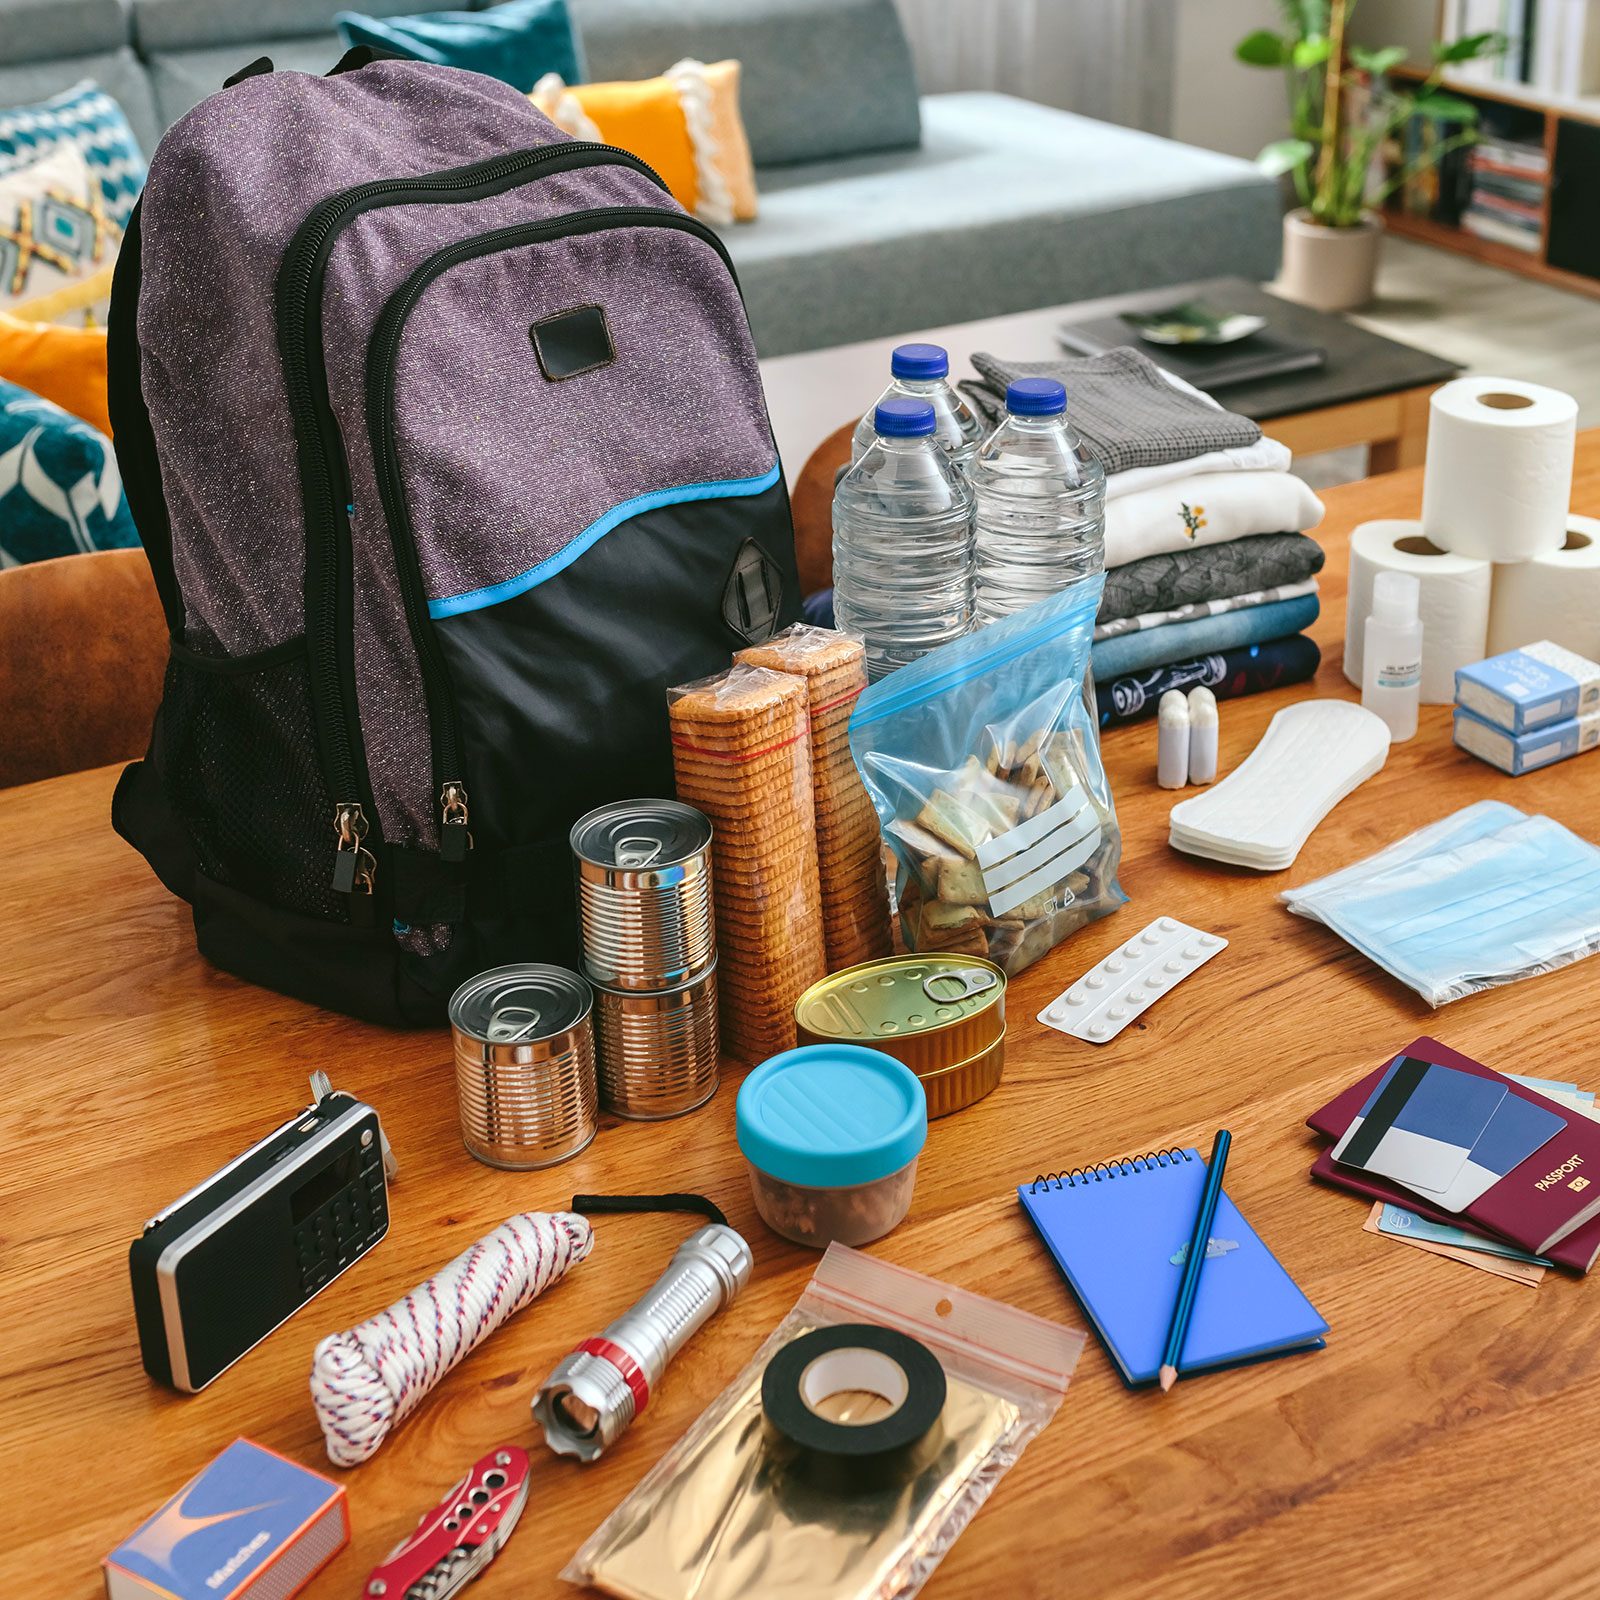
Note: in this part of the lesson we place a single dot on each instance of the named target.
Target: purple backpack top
(445, 437)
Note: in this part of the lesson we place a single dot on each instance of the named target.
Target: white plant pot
(1329, 269)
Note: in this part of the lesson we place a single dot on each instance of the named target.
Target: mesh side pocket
(242, 774)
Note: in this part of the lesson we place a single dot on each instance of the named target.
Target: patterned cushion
(86, 117)
(60, 492)
(57, 245)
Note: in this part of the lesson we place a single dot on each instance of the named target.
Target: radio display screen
(324, 1184)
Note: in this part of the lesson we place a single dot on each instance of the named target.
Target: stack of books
(1506, 197)
(1553, 45)
(1439, 189)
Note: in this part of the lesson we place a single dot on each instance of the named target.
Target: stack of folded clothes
(1210, 578)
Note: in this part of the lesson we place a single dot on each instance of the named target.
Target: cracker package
(983, 764)
(855, 891)
(741, 753)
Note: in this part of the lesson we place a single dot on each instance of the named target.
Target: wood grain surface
(1441, 1445)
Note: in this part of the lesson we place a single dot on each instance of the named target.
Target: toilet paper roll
(1454, 603)
(1498, 478)
(1554, 597)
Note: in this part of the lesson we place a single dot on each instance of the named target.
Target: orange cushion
(647, 119)
(64, 365)
(686, 124)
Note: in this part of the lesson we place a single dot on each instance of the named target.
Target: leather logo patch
(573, 341)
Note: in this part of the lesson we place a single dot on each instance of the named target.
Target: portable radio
(222, 1266)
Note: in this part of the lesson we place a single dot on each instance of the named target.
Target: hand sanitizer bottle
(1391, 665)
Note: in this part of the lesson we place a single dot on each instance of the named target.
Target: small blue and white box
(1517, 753)
(252, 1524)
(1527, 688)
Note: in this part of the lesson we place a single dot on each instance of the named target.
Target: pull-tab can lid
(520, 1004)
(638, 835)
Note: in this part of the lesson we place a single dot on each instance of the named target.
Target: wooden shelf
(1527, 262)
(1585, 108)
(1553, 110)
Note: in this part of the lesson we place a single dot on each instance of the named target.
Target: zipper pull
(454, 838)
(353, 864)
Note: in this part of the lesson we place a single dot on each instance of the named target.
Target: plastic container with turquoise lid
(832, 1133)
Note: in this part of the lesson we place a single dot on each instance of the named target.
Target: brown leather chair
(83, 650)
(812, 506)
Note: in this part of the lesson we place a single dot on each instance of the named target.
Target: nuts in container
(984, 767)
(832, 1133)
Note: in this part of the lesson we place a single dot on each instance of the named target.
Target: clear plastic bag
(1482, 897)
(724, 1516)
(983, 764)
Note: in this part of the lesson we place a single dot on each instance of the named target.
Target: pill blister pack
(1131, 979)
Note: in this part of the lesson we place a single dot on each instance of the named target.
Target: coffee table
(1371, 390)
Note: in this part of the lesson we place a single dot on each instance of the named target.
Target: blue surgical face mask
(1481, 898)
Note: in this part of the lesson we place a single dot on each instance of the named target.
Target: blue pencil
(1199, 1242)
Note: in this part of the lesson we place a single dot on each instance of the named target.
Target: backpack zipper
(326, 480)
(383, 351)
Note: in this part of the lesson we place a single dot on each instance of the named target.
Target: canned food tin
(658, 1051)
(525, 1072)
(644, 893)
(944, 1016)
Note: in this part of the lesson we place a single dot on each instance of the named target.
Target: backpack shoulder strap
(132, 436)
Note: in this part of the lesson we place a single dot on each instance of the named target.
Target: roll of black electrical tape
(855, 1357)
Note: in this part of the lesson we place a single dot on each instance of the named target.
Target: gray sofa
(880, 211)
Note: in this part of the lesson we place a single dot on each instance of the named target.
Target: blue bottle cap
(1036, 397)
(919, 361)
(828, 1116)
(904, 418)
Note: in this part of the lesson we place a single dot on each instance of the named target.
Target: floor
(1489, 320)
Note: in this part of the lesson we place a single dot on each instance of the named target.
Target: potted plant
(1344, 113)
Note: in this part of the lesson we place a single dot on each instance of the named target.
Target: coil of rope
(365, 1380)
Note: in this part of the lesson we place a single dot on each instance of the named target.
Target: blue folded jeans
(1180, 641)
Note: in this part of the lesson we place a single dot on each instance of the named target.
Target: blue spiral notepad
(1119, 1233)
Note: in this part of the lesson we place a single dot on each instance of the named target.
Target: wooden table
(1441, 1445)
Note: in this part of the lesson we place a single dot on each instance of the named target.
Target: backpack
(445, 438)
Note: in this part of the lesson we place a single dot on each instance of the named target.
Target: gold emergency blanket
(727, 1515)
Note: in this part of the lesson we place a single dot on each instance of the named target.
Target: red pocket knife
(461, 1535)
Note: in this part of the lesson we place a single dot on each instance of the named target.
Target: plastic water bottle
(922, 371)
(902, 541)
(1041, 504)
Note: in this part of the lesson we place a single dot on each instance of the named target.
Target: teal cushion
(517, 42)
(60, 493)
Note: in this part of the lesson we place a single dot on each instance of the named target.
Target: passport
(1548, 1204)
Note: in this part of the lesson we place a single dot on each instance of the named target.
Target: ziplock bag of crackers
(846, 1458)
(984, 766)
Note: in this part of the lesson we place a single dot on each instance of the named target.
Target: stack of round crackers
(855, 898)
(742, 756)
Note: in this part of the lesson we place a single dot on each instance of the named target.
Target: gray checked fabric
(1208, 572)
(1122, 406)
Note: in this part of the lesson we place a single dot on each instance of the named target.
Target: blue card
(1420, 1124)
(1515, 1131)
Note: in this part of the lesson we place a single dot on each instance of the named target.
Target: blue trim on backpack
(492, 594)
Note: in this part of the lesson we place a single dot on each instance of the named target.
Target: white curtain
(1110, 59)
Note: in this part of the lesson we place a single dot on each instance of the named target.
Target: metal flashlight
(585, 1405)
